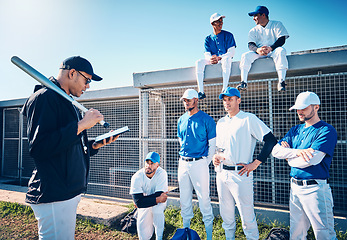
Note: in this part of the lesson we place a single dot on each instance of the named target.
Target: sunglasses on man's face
(218, 21)
(88, 80)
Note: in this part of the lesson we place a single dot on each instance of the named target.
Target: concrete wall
(305, 64)
(100, 95)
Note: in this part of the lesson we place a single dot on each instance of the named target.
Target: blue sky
(123, 37)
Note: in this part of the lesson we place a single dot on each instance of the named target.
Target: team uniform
(237, 136)
(266, 36)
(311, 201)
(222, 45)
(194, 133)
(150, 218)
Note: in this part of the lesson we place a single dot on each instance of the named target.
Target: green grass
(173, 220)
(18, 222)
(14, 209)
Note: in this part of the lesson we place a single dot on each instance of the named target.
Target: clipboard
(110, 134)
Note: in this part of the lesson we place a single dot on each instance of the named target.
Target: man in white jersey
(265, 40)
(237, 134)
(149, 187)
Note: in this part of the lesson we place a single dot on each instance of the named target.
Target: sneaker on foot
(281, 86)
(242, 86)
(201, 95)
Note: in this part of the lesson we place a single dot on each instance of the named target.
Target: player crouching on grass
(149, 187)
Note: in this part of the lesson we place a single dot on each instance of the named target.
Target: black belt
(304, 182)
(233, 168)
(190, 159)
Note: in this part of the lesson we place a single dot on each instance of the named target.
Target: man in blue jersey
(196, 132)
(219, 48)
(309, 149)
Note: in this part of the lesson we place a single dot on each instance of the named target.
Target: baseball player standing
(149, 187)
(237, 134)
(265, 40)
(59, 145)
(309, 149)
(196, 132)
(219, 48)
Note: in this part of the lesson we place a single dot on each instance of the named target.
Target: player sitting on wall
(265, 40)
(219, 48)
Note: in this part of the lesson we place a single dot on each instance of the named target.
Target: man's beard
(309, 116)
(149, 171)
(189, 109)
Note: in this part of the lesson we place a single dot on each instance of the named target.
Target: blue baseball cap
(153, 156)
(261, 10)
(230, 92)
(80, 64)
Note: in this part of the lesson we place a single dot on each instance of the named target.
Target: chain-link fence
(110, 170)
(161, 108)
(152, 120)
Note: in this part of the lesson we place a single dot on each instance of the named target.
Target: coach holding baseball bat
(59, 145)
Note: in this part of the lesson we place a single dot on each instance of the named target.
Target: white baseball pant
(200, 69)
(311, 205)
(279, 56)
(195, 175)
(57, 220)
(235, 189)
(150, 219)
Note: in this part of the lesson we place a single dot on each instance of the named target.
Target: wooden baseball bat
(45, 81)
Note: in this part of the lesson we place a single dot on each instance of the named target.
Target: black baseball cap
(261, 10)
(80, 64)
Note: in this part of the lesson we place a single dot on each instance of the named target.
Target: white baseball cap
(215, 17)
(189, 94)
(305, 99)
